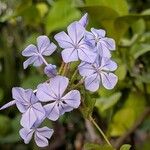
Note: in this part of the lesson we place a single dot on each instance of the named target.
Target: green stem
(61, 68)
(74, 75)
(100, 130)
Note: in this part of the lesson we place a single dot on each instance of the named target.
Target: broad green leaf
(60, 15)
(106, 20)
(138, 27)
(125, 147)
(135, 101)
(139, 49)
(122, 121)
(104, 103)
(93, 146)
(130, 19)
(119, 5)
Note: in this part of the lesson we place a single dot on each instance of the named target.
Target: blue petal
(92, 82)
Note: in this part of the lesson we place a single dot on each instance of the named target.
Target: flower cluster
(52, 98)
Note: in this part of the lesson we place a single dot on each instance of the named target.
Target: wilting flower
(74, 46)
(35, 53)
(99, 73)
(30, 107)
(50, 70)
(84, 20)
(41, 135)
(59, 103)
(101, 44)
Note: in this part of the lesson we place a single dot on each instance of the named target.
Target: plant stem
(61, 68)
(74, 75)
(100, 130)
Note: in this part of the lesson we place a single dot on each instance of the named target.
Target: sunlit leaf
(60, 15)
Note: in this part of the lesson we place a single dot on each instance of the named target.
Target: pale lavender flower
(59, 103)
(84, 20)
(41, 135)
(50, 70)
(74, 46)
(98, 74)
(101, 44)
(30, 107)
(35, 53)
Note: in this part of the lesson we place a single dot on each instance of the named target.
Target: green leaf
(106, 20)
(125, 147)
(132, 18)
(32, 81)
(60, 15)
(93, 146)
(138, 27)
(139, 49)
(121, 71)
(119, 5)
(105, 103)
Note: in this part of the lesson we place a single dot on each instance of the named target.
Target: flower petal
(69, 55)
(63, 107)
(45, 132)
(11, 103)
(21, 99)
(109, 80)
(85, 69)
(44, 46)
(29, 61)
(84, 20)
(39, 112)
(110, 43)
(30, 50)
(92, 82)
(108, 65)
(85, 54)
(52, 111)
(44, 93)
(72, 98)
(76, 32)
(28, 118)
(63, 40)
(103, 50)
(98, 33)
(58, 85)
(26, 134)
(40, 140)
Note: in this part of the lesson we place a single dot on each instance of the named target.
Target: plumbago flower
(36, 53)
(52, 99)
(53, 92)
(99, 73)
(41, 135)
(101, 44)
(73, 43)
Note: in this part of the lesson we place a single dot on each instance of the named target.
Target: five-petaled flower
(99, 73)
(102, 45)
(40, 135)
(35, 53)
(73, 43)
(30, 107)
(53, 93)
